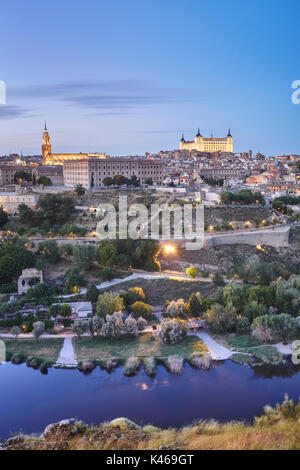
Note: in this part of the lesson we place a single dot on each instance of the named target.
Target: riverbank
(275, 429)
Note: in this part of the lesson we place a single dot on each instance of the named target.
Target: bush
(171, 332)
(201, 362)
(107, 274)
(141, 323)
(141, 309)
(79, 327)
(92, 294)
(177, 309)
(175, 364)
(134, 294)
(150, 366)
(192, 272)
(108, 303)
(221, 319)
(282, 327)
(242, 326)
(132, 366)
(253, 310)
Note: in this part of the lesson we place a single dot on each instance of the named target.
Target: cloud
(13, 112)
(118, 96)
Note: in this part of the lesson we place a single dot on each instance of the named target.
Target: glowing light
(169, 249)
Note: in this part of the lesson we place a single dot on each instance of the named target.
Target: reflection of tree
(268, 371)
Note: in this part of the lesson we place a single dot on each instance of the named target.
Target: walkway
(66, 356)
(217, 351)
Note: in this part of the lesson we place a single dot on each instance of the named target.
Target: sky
(129, 77)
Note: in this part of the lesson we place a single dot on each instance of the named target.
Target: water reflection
(30, 400)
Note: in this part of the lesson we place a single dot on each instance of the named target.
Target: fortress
(49, 158)
(203, 144)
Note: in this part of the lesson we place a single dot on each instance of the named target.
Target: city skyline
(145, 79)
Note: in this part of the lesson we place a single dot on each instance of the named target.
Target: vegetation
(143, 346)
(108, 303)
(3, 217)
(244, 196)
(221, 319)
(45, 349)
(13, 259)
(276, 428)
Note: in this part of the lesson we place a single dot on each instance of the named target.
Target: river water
(29, 400)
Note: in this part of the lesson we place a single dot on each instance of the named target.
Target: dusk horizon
(129, 78)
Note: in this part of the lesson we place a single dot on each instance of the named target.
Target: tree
(106, 274)
(149, 181)
(79, 190)
(44, 181)
(134, 181)
(221, 319)
(218, 280)
(242, 326)
(107, 181)
(38, 330)
(49, 249)
(15, 331)
(92, 294)
(107, 253)
(74, 280)
(57, 208)
(195, 304)
(79, 327)
(141, 309)
(171, 332)
(65, 310)
(84, 256)
(112, 328)
(192, 272)
(254, 309)
(119, 180)
(108, 303)
(177, 308)
(130, 327)
(141, 323)
(13, 259)
(21, 176)
(94, 325)
(134, 294)
(3, 217)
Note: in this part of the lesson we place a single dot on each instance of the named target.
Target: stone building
(54, 172)
(11, 201)
(91, 173)
(28, 279)
(49, 158)
(212, 144)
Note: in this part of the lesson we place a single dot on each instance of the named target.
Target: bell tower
(46, 146)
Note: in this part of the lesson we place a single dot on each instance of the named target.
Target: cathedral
(49, 158)
(203, 144)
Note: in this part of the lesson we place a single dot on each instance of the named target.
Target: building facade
(49, 158)
(211, 145)
(91, 172)
(54, 172)
(7, 173)
(10, 201)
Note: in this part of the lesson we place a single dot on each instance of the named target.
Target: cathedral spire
(45, 125)
(229, 133)
(182, 138)
(198, 133)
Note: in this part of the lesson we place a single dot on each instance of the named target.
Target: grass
(46, 349)
(142, 347)
(159, 290)
(237, 342)
(276, 429)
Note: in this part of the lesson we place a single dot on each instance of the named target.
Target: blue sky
(126, 77)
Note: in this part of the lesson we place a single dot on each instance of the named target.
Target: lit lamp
(169, 249)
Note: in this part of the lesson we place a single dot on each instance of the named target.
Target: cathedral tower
(46, 146)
